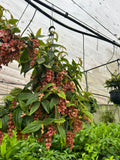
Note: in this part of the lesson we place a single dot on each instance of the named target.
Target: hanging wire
(83, 52)
(93, 18)
(85, 73)
(111, 59)
(29, 22)
(118, 65)
(97, 45)
(22, 14)
(51, 20)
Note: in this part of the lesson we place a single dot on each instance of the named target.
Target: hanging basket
(115, 96)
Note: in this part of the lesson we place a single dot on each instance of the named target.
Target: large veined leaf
(62, 132)
(46, 105)
(23, 105)
(56, 112)
(24, 96)
(17, 119)
(32, 127)
(47, 86)
(61, 94)
(5, 120)
(53, 102)
(34, 107)
(48, 121)
(27, 120)
(33, 98)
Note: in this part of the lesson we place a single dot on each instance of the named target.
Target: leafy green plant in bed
(98, 142)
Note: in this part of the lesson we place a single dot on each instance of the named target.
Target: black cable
(100, 95)
(29, 23)
(73, 16)
(66, 15)
(22, 13)
(64, 25)
(101, 65)
(68, 27)
(93, 18)
(78, 20)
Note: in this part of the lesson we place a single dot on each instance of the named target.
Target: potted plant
(114, 84)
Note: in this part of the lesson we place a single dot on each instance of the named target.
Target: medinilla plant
(50, 103)
(114, 85)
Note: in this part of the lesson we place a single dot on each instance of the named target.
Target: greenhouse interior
(59, 80)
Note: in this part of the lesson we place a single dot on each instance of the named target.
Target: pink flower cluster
(11, 125)
(61, 106)
(1, 136)
(10, 47)
(69, 85)
(51, 131)
(69, 139)
(49, 76)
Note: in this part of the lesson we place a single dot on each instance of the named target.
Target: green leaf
(61, 94)
(5, 120)
(48, 66)
(34, 107)
(17, 119)
(53, 102)
(22, 105)
(56, 112)
(55, 45)
(47, 86)
(61, 52)
(1, 13)
(24, 56)
(0, 123)
(15, 91)
(32, 127)
(33, 98)
(12, 150)
(27, 120)
(48, 121)
(13, 21)
(40, 60)
(15, 30)
(45, 105)
(24, 96)
(3, 149)
(38, 32)
(70, 104)
(62, 132)
(61, 120)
